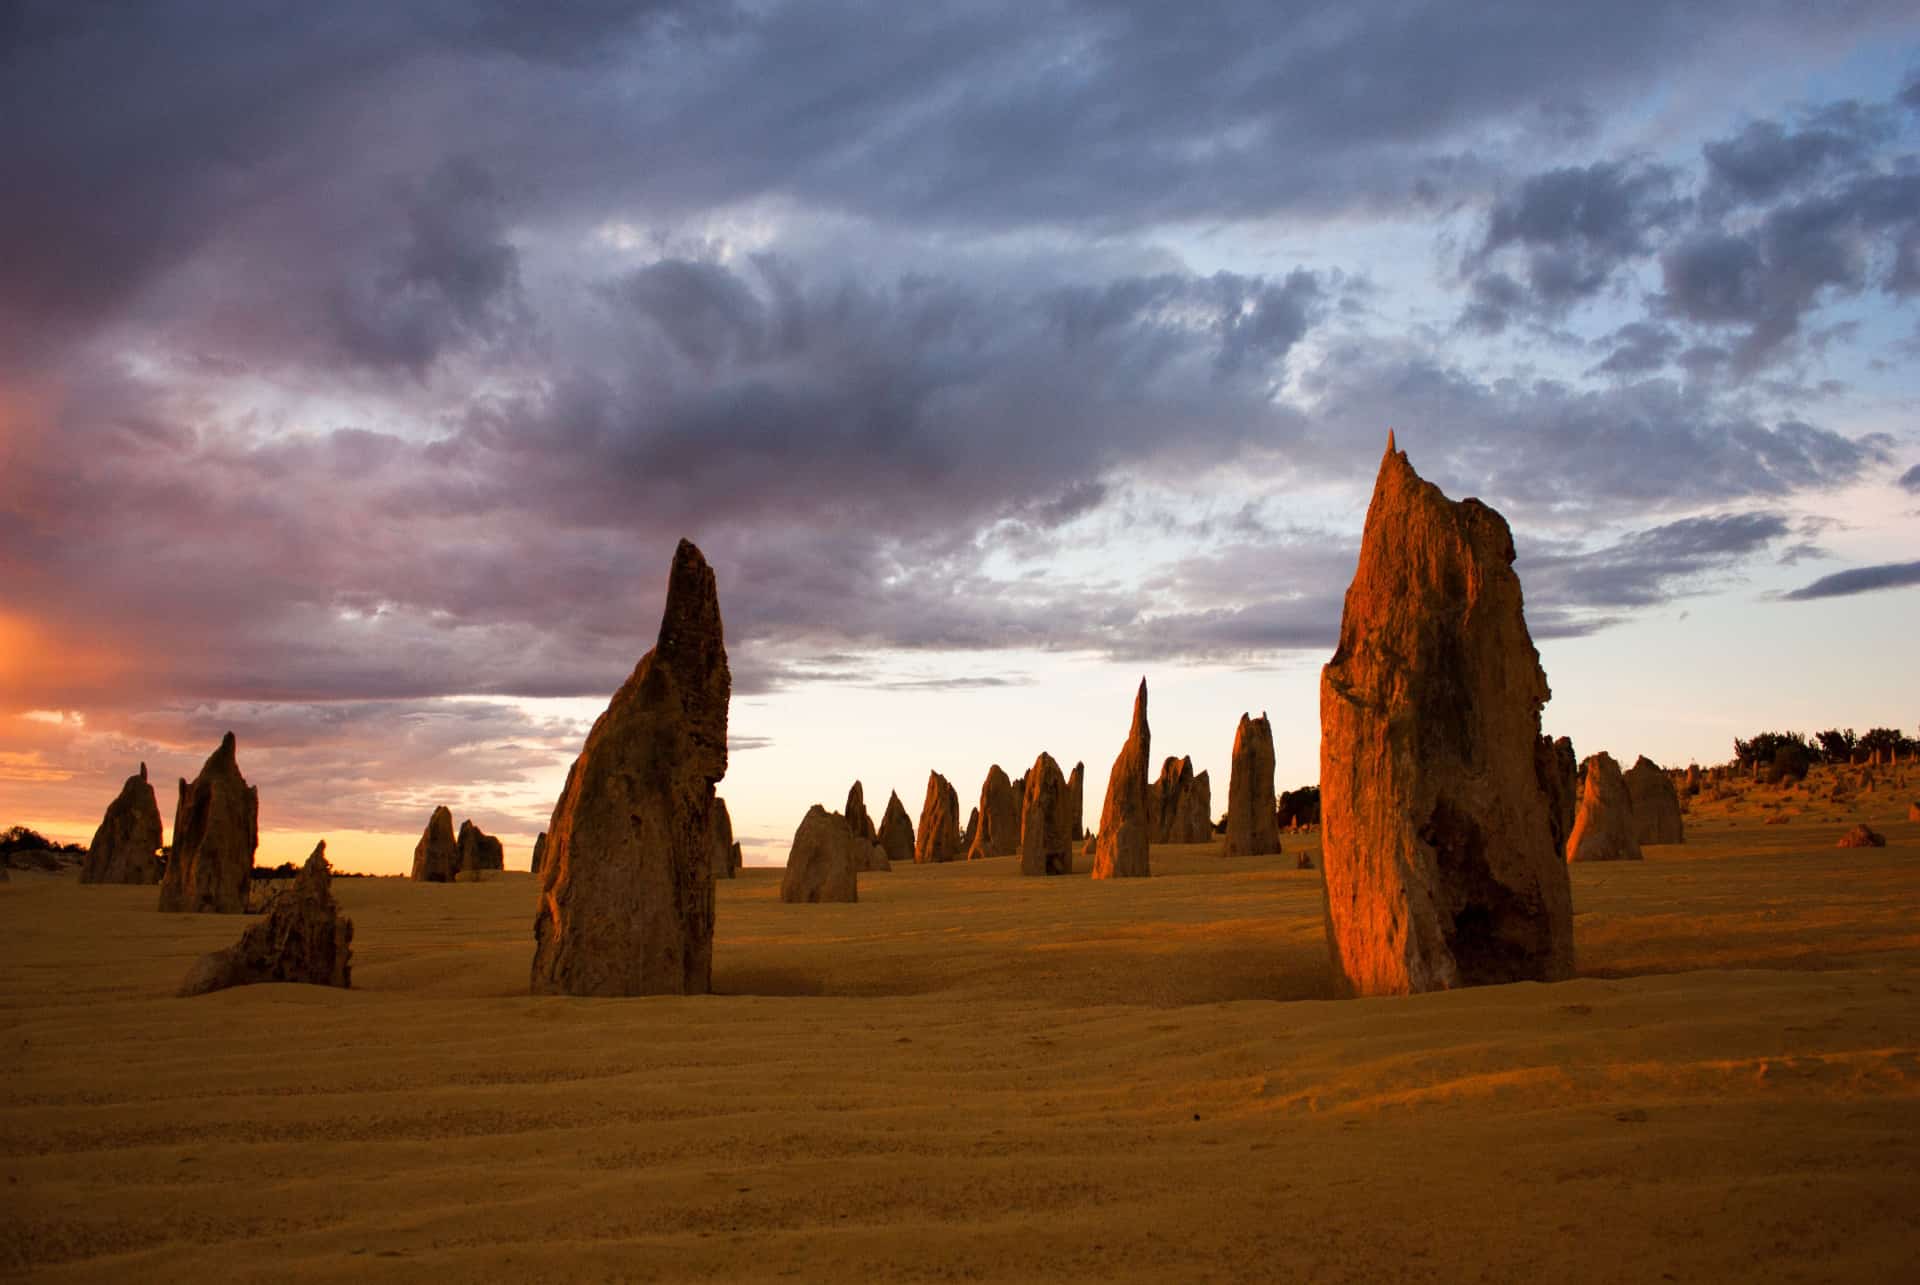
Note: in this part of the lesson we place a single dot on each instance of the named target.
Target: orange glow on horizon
(40, 670)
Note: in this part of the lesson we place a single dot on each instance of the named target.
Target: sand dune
(969, 1075)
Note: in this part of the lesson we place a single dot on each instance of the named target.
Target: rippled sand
(970, 1075)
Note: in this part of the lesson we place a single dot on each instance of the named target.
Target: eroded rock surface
(1077, 798)
(1182, 803)
(479, 850)
(896, 831)
(1253, 828)
(1559, 774)
(626, 894)
(1440, 868)
(126, 846)
(1656, 803)
(1120, 849)
(216, 830)
(857, 819)
(720, 844)
(938, 835)
(1046, 821)
(1604, 830)
(824, 860)
(303, 938)
(997, 833)
(436, 858)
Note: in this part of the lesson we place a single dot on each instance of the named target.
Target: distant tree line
(21, 839)
(288, 869)
(1835, 745)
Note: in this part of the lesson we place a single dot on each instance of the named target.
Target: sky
(361, 364)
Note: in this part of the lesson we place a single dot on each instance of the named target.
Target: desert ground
(970, 1075)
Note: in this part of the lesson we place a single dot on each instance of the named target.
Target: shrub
(1764, 746)
(1837, 746)
(1790, 762)
(1301, 806)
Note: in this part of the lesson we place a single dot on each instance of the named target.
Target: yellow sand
(975, 1076)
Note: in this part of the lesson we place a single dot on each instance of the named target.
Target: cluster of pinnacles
(1447, 818)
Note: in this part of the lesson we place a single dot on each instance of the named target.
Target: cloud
(1648, 567)
(1553, 452)
(1785, 217)
(822, 438)
(1910, 480)
(269, 144)
(1800, 253)
(1574, 228)
(1638, 348)
(1766, 160)
(1890, 575)
(433, 327)
(454, 278)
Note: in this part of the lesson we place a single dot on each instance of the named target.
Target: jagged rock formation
(1253, 829)
(938, 835)
(304, 938)
(126, 847)
(1692, 786)
(1181, 804)
(539, 853)
(968, 835)
(997, 833)
(1437, 847)
(868, 855)
(1046, 823)
(479, 850)
(857, 819)
(720, 844)
(1862, 836)
(1076, 800)
(825, 857)
(1559, 774)
(1604, 830)
(896, 831)
(626, 897)
(1656, 803)
(1120, 850)
(216, 829)
(437, 857)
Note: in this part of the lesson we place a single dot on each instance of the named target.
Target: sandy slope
(974, 1076)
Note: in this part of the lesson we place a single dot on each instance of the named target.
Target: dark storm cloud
(1766, 159)
(1571, 229)
(834, 446)
(454, 277)
(230, 133)
(1800, 216)
(1891, 575)
(1861, 234)
(135, 138)
(1783, 218)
